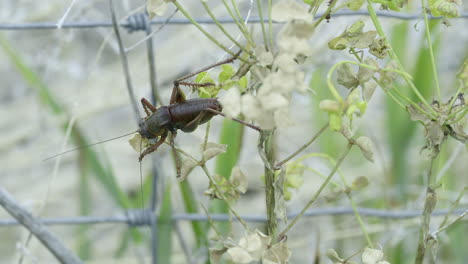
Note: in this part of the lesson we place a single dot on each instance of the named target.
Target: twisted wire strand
(183, 21)
(139, 217)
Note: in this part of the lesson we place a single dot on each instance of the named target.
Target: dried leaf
(371, 256)
(333, 256)
(187, 166)
(239, 255)
(216, 254)
(416, 115)
(346, 76)
(359, 183)
(334, 195)
(280, 206)
(255, 244)
(364, 40)
(368, 90)
(366, 147)
(365, 74)
(434, 134)
(278, 253)
(212, 150)
(239, 180)
(379, 48)
(138, 143)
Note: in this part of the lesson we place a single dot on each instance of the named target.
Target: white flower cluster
(279, 74)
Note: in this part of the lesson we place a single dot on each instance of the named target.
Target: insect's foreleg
(149, 108)
(235, 119)
(153, 147)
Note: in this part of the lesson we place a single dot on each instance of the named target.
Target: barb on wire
(183, 21)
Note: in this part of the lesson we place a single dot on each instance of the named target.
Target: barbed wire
(143, 217)
(133, 24)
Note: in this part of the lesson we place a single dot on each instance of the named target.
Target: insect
(181, 114)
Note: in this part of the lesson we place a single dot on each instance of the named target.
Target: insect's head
(143, 129)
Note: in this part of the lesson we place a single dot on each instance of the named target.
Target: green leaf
(203, 93)
(355, 4)
(227, 73)
(394, 5)
(229, 84)
(335, 122)
(243, 82)
(444, 8)
(204, 77)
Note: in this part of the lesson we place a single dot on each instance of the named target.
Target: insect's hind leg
(176, 155)
(234, 119)
(148, 107)
(178, 96)
(228, 60)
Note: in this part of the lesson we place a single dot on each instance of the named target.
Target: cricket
(181, 114)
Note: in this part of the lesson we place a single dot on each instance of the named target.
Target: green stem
(316, 195)
(461, 114)
(279, 164)
(268, 148)
(394, 57)
(208, 35)
(220, 26)
(239, 24)
(260, 13)
(431, 51)
(270, 23)
(429, 205)
(219, 191)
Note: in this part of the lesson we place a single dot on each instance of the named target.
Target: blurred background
(54, 78)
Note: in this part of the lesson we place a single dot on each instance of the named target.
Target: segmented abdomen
(182, 114)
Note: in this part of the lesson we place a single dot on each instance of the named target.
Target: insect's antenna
(82, 147)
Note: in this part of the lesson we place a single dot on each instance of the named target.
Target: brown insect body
(185, 113)
(185, 116)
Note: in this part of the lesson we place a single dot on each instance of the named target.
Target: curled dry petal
(366, 147)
